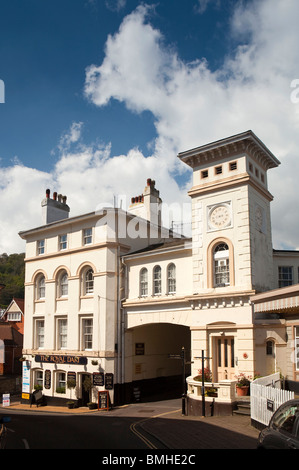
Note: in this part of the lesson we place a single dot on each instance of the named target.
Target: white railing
(266, 396)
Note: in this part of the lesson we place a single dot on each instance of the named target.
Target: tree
(12, 274)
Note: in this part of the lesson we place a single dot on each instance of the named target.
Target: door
(85, 389)
(225, 357)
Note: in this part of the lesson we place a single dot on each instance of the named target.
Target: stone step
(243, 408)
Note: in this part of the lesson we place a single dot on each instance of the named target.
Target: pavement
(161, 424)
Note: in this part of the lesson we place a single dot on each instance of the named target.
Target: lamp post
(182, 356)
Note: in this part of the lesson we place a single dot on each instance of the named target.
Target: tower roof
(246, 142)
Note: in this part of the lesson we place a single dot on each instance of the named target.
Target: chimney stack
(148, 205)
(54, 209)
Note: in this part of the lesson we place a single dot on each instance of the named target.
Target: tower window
(221, 265)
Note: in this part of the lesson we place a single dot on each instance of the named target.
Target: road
(143, 426)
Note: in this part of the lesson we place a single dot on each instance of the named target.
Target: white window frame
(63, 284)
(61, 333)
(86, 334)
(87, 236)
(88, 281)
(60, 379)
(40, 287)
(143, 282)
(14, 316)
(171, 278)
(157, 280)
(39, 377)
(40, 249)
(221, 266)
(39, 333)
(63, 242)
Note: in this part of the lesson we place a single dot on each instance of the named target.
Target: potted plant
(207, 375)
(70, 404)
(92, 405)
(242, 384)
(88, 386)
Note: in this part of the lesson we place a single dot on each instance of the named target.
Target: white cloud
(191, 104)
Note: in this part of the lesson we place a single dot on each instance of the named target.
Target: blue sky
(102, 94)
(45, 49)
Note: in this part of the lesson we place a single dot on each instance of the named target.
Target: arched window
(157, 280)
(270, 348)
(221, 265)
(143, 283)
(40, 287)
(88, 281)
(171, 279)
(63, 284)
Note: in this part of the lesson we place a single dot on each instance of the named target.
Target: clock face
(220, 217)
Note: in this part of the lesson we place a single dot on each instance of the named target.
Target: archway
(153, 367)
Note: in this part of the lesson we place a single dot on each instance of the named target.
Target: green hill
(12, 274)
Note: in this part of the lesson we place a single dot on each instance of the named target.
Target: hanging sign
(109, 381)
(47, 379)
(98, 379)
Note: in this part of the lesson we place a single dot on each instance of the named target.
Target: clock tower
(231, 225)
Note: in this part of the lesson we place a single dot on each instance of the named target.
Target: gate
(266, 396)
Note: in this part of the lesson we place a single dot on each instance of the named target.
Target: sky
(96, 96)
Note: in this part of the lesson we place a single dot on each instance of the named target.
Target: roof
(9, 333)
(285, 299)
(245, 141)
(163, 246)
(20, 304)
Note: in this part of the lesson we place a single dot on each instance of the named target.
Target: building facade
(112, 298)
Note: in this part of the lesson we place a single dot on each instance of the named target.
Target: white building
(112, 295)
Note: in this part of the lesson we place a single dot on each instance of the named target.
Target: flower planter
(92, 406)
(242, 391)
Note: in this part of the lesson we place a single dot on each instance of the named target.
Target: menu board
(103, 400)
(98, 379)
(109, 381)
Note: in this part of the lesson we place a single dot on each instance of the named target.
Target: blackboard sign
(109, 381)
(47, 379)
(103, 400)
(98, 379)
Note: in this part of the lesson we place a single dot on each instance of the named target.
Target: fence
(265, 397)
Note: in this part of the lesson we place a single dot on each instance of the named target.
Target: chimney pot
(47, 193)
(55, 196)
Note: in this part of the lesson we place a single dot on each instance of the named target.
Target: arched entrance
(153, 367)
